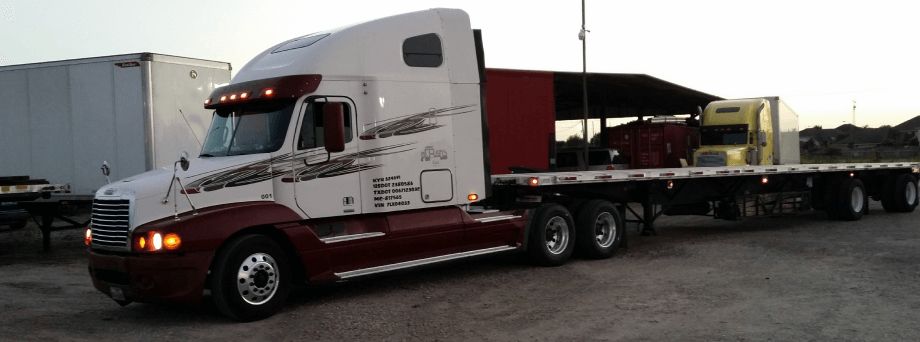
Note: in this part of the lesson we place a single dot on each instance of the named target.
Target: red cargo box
(657, 145)
(522, 118)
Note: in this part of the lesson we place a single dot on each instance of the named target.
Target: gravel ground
(796, 278)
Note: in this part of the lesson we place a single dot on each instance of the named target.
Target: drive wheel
(904, 194)
(251, 278)
(850, 201)
(599, 229)
(552, 235)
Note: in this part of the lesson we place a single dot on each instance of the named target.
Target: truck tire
(599, 229)
(902, 196)
(250, 278)
(552, 235)
(850, 201)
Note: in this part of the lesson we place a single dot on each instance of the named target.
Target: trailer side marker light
(851, 175)
(223, 98)
(915, 169)
(243, 96)
(473, 197)
(233, 97)
(89, 236)
(534, 181)
(269, 92)
(670, 184)
(764, 179)
(171, 241)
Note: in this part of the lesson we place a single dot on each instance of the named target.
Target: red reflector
(667, 174)
(603, 177)
(610, 168)
(748, 170)
(724, 171)
(568, 178)
(637, 175)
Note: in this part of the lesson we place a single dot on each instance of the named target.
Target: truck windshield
(248, 129)
(724, 135)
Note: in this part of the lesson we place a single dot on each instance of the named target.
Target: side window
(423, 51)
(311, 129)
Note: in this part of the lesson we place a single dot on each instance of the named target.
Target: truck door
(325, 184)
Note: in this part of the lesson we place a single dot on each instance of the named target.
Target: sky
(819, 56)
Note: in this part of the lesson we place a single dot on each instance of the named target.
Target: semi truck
(760, 131)
(365, 149)
(63, 121)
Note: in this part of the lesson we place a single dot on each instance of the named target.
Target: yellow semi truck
(759, 131)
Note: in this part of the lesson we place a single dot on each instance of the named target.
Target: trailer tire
(552, 235)
(262, 263)
(903, 197)
(600, 229)
(850, 200)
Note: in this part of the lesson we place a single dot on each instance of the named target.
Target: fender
(213, 225)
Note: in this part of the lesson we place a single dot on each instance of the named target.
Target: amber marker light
(534, 181)
(764, 179)
(851, 175)
(142, 243)
(233, 97)
(207, 102)
(269, 92)
(223, 98)
(89, 236)
(244, 96)
(171, 241)
(670, 184)
(473, 197)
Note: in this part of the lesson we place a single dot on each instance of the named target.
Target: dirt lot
(781, 279)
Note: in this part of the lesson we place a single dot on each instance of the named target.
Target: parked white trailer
(61, 120)
(785, 131)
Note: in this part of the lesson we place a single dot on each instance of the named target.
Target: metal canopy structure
(624, 96)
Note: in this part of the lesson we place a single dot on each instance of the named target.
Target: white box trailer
(785, 131)
(60, 120)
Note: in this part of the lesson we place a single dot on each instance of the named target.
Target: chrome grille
(111, 220)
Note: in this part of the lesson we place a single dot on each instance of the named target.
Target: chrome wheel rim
(856, 199)
(257, 279)
(605, 229)
(557, 235)
(911, 193)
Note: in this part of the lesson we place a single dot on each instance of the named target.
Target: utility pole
(584, 76)
(854, 112)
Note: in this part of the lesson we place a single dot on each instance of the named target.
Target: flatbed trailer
(722, 188)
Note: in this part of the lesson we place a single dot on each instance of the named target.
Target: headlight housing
(154, 241)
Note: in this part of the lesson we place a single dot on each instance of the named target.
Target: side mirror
(105, 168)
(183, 160)
(334, 127)
(762, 137)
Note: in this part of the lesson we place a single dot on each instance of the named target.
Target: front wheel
(251, 278)
(552, 235)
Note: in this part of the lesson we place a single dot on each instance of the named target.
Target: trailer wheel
(552, 235)
(900, 194)
(849, 202)
(251, 278)
(599, 229)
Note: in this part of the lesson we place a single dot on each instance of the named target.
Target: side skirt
(420, 262)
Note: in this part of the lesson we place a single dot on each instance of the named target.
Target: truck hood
(721, 156)
(208, 182)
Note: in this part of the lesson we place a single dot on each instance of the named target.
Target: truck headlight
(154, 241)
